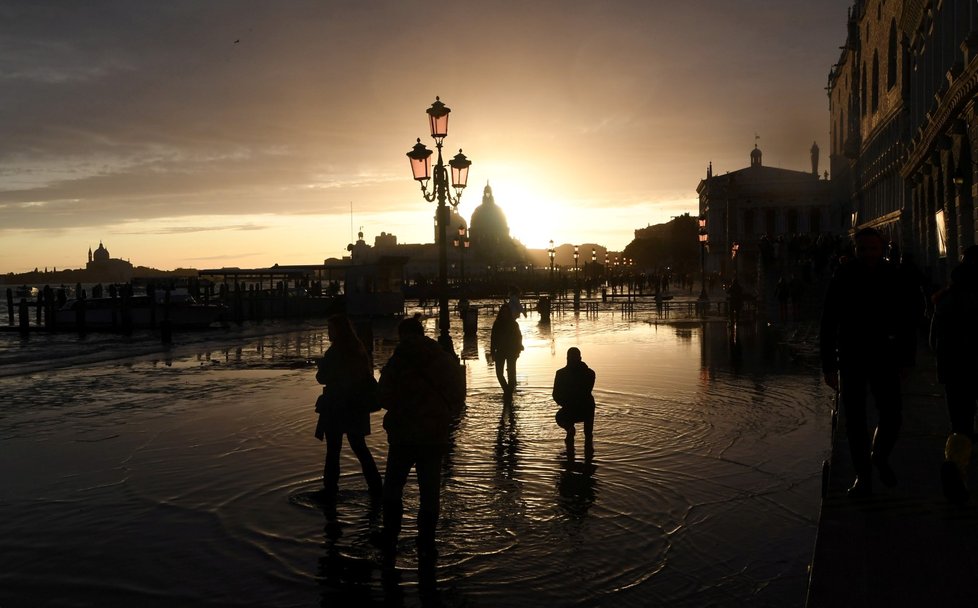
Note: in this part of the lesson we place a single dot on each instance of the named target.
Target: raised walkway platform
(904, 546)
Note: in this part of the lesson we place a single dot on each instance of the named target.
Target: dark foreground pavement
(904, 546)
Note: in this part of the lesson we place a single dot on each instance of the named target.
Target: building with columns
(743, 207)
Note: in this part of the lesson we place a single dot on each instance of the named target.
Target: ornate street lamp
(703, 241)
(421, 168)
(577, 280)
(462, 243)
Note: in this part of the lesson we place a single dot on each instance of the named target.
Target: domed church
(489, 232)
(102, 267)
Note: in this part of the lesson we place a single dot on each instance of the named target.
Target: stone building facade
(903, 125)
(758, 203)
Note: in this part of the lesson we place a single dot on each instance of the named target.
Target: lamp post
(577, 280)
(552, 253)
(703, 241)
(591, 275)
(420, 157)
(462, 243)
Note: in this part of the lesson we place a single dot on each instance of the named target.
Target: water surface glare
(181, 478)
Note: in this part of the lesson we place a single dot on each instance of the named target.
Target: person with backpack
(505, 346)
(422, 388)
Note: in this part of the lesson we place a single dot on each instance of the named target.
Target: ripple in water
(190, 481)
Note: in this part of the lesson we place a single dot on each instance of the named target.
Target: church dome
(488, 221)
(101, 254)
(489, 232)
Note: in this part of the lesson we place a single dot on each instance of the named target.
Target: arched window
(876, 82)
(891, 57)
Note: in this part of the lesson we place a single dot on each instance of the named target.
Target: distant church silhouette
(489, 231)
(102, 267)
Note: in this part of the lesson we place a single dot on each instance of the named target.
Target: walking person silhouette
(421, 389)
(505, 346)
(868, 341)
(344, 370)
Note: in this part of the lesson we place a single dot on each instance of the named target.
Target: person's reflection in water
(348, 581)
(572, 392)
(507, 443)
(576, 489)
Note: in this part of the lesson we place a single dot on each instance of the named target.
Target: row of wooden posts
(243, 302)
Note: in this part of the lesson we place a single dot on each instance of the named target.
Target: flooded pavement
(183, 477)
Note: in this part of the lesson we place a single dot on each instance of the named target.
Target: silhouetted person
(954, 338)
(515, 306)
(343, 370)
(420, 387)
(505, 346)
(867, 341)
(735, 296)
(781, 292)
(796, 290)
(572, 392)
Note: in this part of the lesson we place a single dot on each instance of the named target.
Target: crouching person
(572, 392)
(420, 387)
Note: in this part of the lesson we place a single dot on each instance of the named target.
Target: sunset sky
(234, 133)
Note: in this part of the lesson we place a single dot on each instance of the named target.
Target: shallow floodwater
(139, 477)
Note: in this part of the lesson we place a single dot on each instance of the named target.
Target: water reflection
(577, 488)
(702, 430)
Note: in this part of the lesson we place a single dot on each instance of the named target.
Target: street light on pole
(552, 253)
(462, 243)
(420, 157)
(577, 280)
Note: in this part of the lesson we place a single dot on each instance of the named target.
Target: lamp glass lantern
(420, 157)
(438, 119)
(460, 170)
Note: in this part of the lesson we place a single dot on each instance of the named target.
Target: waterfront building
(904, 125)
(102, 268)
(747, 208)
